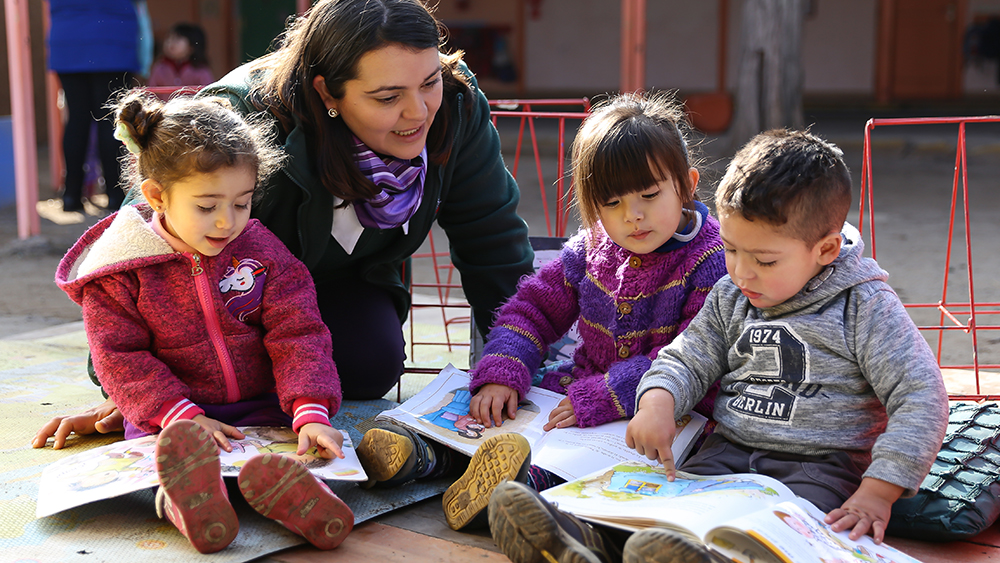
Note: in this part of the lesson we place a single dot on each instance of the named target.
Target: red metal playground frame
(556, 220)
(952, 315)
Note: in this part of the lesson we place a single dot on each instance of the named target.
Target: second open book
(745, 517)
(441, 412)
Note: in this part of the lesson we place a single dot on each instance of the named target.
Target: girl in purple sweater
(200, 320)
(632, 278)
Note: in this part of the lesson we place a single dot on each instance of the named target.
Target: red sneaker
(282, 489)
(192, 493)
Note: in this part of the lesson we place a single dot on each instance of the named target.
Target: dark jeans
(86, 97)
(368, 345)
(826, 481)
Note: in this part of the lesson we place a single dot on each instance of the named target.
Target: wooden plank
(372, 541)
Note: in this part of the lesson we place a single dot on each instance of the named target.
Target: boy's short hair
(789, 179)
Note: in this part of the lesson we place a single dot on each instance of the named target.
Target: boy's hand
(562, 416)
(651, 431)
(867, 510)
(488, 404)
(328, 440)
(103, 418)
(221, 432)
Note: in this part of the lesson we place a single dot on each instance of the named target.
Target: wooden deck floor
(418, 534)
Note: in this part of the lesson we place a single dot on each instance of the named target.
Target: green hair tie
(122, 134)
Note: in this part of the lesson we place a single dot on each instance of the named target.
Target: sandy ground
(913, 173)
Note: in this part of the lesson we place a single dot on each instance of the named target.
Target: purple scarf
(402, 183)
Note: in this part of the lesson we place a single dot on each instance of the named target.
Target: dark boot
(660, 545)
(528, 529)
(500, 458)
(393, 455)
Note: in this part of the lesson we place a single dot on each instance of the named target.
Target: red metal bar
(968, 253)
(949, 312)
(503, 105)
(526, 110)
(22, 107)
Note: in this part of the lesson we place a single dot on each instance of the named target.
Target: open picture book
(745, 517)
(440, 412)
(127, 466)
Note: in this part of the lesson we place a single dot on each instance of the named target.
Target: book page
(559, 450)
(440, 411)
(795, 531)
(127, 466)
(633, 495)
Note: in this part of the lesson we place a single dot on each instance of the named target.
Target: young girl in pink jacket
(199, 320)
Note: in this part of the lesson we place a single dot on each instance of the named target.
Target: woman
(92, 47)
(359, 90)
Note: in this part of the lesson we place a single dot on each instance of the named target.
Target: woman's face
(391, 104)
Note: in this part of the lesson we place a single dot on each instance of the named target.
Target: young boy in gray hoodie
(826, 383)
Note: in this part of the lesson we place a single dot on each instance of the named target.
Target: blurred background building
(862, 53)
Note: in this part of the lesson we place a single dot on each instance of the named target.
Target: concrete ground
(913, 173)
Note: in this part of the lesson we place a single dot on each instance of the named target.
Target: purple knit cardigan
(629, 306)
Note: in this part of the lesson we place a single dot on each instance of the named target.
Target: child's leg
(192, 493)
(528, 529)
(500, 458)
(542, 479)
(660, 545)
(283, 489)
(826, 481)
(718, 456)
(393, 455)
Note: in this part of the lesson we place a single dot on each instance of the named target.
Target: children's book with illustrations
(749, 518)
(441, 412)
(127, 466)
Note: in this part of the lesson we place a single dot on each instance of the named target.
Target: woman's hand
(221, 432)
(562, 416)
(327, 440)
(488, 404)
(103, 418)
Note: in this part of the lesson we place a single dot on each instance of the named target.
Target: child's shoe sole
(498, 459)
(383, 453)
(187, 461)
(526, 531)
(660, 545)
(282, 489)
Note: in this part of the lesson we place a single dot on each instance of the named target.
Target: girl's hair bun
(139, 112)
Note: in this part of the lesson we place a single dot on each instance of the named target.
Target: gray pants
(826, 481)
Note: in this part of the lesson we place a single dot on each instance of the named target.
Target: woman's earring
(333, 113)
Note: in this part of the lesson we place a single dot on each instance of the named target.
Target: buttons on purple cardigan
(624, 308)
(635, 262)
(565, 381)
(624, 351)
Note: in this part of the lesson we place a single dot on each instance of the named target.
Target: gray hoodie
(839, 366)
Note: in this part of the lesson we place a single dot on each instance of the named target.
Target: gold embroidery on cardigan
(527, 335)
(614, 397)
(506, 356)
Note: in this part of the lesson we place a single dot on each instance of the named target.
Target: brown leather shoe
(528, 529)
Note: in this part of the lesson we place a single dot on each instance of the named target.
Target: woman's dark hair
(173, 140)
(196, 38)
(329, 41)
